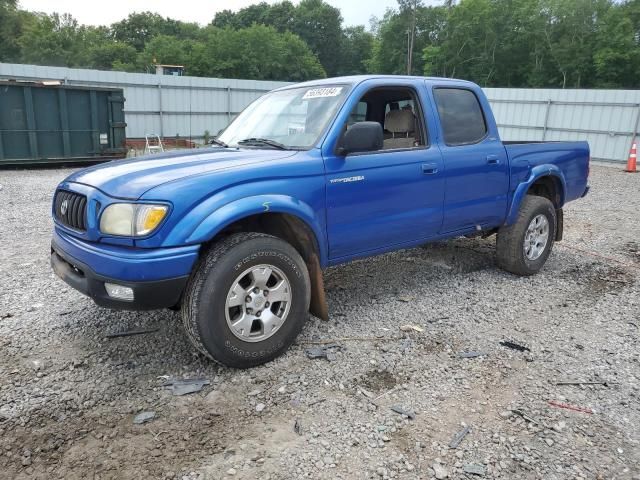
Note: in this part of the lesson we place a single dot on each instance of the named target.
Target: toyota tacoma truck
(312, 175)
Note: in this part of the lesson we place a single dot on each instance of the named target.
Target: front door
(379, 199)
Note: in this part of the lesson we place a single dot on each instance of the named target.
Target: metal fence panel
(607, 119)
(189, 106)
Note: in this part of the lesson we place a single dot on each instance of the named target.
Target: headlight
(132, 220)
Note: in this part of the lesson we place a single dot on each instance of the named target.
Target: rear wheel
(523, 248)
(247, 300)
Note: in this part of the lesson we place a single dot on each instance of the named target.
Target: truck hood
(130, 179)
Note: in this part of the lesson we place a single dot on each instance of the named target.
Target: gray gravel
(69, 395)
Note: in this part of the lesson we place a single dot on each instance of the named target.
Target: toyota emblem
(63, 207)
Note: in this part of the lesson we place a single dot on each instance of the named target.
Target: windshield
(293, 118)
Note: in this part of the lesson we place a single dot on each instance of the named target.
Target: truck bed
(571, 158)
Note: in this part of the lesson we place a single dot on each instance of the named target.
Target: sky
(354, 12)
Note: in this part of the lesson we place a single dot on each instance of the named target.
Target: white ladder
(153, 143)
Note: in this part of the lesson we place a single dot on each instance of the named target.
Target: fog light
(118, 291)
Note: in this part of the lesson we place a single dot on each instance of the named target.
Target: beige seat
(401, 125)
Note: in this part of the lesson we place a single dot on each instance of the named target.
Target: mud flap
(318, 305)
(559, 224)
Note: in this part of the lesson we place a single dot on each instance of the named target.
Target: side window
(358, 114)
(460, 115)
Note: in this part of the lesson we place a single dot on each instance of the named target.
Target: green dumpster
(42, 123)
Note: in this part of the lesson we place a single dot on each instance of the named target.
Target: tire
(210, 321)
(511, 252)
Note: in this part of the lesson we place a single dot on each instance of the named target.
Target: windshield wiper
(215, 141)
(262, 141)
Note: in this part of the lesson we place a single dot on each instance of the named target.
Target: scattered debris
(260, 407)
(366, 393)
(606, 384)
(459, 436)
(315, 402)
(369, 396)
(439, 471)
(144, 417)
(403, 411)
(471, 354)
(6, 315)
(297, 427)
(328, 352)
(474, 469)
(570, 407)
(128, 333)
(186, 386)
(525, 416)
(387, 392)
(408, 328)
(405, 299)
(514, 346)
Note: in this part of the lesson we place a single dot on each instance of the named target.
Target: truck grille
(71, 209)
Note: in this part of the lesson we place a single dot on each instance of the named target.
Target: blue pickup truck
(237, 235)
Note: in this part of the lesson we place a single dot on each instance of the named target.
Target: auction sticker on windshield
(322, 92)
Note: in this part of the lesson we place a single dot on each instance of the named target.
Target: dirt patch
(462, 255)
(598, 279)
(631, 250)
(379, 381)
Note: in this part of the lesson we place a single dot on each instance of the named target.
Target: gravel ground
(69, 394)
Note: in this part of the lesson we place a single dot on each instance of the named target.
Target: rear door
(475, 162)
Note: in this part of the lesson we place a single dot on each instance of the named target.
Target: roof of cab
(357, 79)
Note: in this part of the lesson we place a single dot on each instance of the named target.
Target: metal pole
(228, 105)
(546, 119)
(160, 109)
(635, 130)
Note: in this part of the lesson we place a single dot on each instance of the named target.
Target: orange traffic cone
(631, 163)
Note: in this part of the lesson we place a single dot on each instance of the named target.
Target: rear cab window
(461, 116)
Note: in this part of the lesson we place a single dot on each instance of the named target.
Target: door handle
(429, 168)
(493, 160)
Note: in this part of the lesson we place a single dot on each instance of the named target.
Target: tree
(139, 28)
(617, 55)
(112, 56)
(12, 23)
(258, 52)
(320, 26)
(357, 50)
(52, 40)
(167, 50)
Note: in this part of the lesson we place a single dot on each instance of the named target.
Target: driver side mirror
(361, 137)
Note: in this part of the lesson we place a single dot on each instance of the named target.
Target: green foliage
(537, 43)
(357, 50)
(11, 26)
(52, 40)
(257, 52)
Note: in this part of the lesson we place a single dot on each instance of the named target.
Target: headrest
(394, 106)
(398, 121)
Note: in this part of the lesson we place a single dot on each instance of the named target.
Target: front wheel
(523, 248)
(247, 300)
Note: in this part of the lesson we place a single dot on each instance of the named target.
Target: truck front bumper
(156, 278)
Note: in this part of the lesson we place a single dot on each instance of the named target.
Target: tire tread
(509, 254)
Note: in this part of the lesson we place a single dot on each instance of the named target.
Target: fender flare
(236, 210)
(536, 174)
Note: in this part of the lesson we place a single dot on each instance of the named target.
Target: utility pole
(411, 35)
